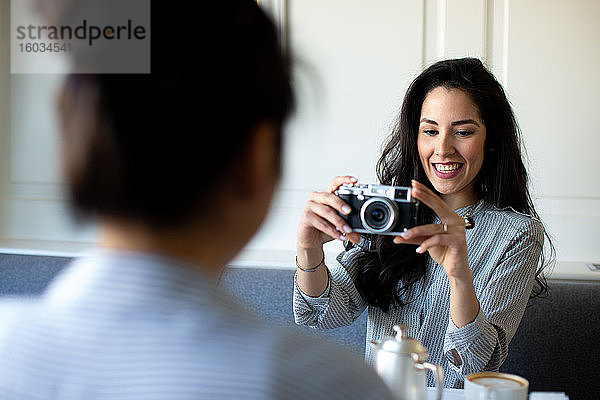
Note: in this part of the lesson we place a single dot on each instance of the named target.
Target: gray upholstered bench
(267, 291)
(557, 346)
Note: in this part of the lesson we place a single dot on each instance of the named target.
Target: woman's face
(451, 143)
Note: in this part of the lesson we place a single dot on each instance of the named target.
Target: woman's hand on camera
(445, 242)
(320, 222)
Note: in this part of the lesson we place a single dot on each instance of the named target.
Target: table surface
(458, 394)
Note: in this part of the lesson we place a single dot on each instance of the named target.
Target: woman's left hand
(445, 242)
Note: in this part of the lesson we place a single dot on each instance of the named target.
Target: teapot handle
(439, 377)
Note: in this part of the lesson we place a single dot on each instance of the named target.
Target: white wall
(354, 60)
(33, 212)
(554, 84)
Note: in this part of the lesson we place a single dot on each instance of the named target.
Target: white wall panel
(4, 109)
(552, 61)
(465, 28)
(34, 129)
(573, 224)
(44, 220)
(457, 28)
(354, 61)
(497, 38)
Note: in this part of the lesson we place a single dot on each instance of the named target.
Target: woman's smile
(447, 170)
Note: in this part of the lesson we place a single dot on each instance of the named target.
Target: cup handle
(439, 378)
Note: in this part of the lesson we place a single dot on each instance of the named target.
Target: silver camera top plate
(397, 193)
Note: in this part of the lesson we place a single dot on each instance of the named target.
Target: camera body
(379, 209)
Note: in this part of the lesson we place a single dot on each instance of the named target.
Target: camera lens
(378, 214)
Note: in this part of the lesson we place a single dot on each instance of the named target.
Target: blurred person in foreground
(178, 167)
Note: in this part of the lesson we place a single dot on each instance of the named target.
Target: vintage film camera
(379, 209)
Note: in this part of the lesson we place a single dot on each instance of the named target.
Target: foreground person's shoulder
(314, 367)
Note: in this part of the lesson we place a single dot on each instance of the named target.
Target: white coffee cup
(496, 386)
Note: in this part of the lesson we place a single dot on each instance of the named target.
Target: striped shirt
(125, 326)
(504, 248)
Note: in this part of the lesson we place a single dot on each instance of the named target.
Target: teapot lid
(401, 344)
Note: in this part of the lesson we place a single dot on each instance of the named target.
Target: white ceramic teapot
(402, 363)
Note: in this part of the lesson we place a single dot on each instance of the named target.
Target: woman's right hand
(320, 222)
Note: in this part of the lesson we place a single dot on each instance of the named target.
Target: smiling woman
(461, 292)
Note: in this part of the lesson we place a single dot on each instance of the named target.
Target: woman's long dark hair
(389, 271)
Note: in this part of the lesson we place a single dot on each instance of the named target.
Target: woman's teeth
(447, 167)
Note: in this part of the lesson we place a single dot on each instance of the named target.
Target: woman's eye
(464, 133)
(430, 132)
